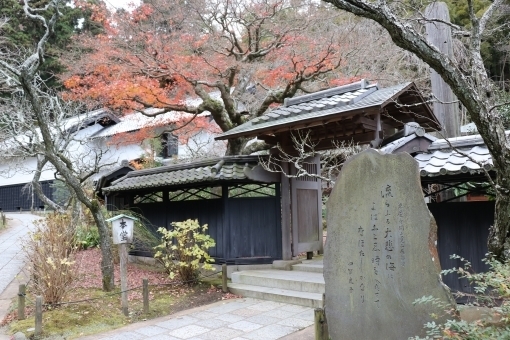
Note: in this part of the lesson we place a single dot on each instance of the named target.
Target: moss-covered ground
(70, 321)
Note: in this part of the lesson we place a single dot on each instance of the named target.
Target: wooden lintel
(369, 127)
(358, 137)
(259, 174)
(319, 122)
(326, 144)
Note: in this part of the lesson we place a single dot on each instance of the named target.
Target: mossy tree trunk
(42, 108)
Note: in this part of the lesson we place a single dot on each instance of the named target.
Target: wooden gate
(306, 198)
(462, 229)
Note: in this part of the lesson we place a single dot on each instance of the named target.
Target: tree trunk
(499, 240)
(105, 244)
(235, 146)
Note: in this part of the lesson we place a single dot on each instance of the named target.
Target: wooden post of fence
(321, 325)
(123, 253)
(21, 302)
(224, 287)
(146, 296)
(38, 316)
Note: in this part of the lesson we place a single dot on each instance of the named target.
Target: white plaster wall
(83, 151)
(21, 172)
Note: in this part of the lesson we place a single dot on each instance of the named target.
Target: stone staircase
(303, 285)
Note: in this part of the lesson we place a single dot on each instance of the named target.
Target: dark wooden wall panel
(154, 212)
(253, 228)
(463, 228)
(14, 197)
(206, 211)
(242, 228)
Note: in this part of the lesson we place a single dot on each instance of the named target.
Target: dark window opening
(191, 194)
(170, 145)
(252, 190)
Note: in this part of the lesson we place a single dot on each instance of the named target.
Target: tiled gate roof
(215, 170)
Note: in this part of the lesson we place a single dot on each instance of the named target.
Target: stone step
(313, 300)
(299, 281)
(309, 267)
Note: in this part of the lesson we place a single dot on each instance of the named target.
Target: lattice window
(309, 168)
(153, 197)
(252, 190)
(195, 194)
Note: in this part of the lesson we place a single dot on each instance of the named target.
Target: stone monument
(380, 254)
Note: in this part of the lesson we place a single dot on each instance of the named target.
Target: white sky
(114, 4)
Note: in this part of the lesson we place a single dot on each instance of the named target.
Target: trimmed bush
(183, 250)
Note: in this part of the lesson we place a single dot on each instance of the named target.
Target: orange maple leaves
(162, 52)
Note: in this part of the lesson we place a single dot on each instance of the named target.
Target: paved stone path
(11, 259)
(240, 319)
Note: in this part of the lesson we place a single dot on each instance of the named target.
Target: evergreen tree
(23, 33)
(494, 48)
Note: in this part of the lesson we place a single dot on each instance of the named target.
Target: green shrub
(87, 237)
(492, 289)
(184, 250)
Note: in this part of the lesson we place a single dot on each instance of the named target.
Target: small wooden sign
(122, 228)
(122, 231)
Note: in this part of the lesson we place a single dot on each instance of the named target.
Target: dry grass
(50, 251)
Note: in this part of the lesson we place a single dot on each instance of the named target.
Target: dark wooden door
(306, 205)
(463, 229)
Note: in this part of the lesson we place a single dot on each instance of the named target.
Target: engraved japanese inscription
(378, 258)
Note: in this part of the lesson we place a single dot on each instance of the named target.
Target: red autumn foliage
(238, 57)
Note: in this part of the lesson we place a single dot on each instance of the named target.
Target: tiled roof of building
(335, 101)
(451, 162)
(410, 132)
(220, 169)
(136, 121)
(458, 142)
(449, 156)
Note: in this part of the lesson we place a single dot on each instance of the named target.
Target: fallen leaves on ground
(88, 270)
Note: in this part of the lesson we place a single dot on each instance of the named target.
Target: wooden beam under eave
(330, 130)
(286, 143)
(371, 124)
(327, 144)
(359, 137)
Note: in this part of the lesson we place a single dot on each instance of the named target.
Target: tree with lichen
(32, 115)
(468, 78)
(22, 33)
